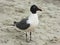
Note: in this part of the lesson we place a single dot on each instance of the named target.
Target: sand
(48, 31)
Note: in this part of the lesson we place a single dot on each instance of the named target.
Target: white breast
(33, 20)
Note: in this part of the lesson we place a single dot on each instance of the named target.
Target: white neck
(33, 19)
(33, 16)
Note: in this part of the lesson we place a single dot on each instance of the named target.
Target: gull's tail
(14, 23)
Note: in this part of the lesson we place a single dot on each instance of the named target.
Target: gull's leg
(26, 36)
(30, 36)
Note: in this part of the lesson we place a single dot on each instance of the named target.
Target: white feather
(33, 20)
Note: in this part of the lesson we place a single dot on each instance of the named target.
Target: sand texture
(48, 31)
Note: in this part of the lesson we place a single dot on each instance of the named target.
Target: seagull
(30, 23)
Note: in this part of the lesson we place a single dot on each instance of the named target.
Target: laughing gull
(30, 23)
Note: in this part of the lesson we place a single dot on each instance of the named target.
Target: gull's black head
(34, 9)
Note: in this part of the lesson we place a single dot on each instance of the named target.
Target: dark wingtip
(15, 22)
